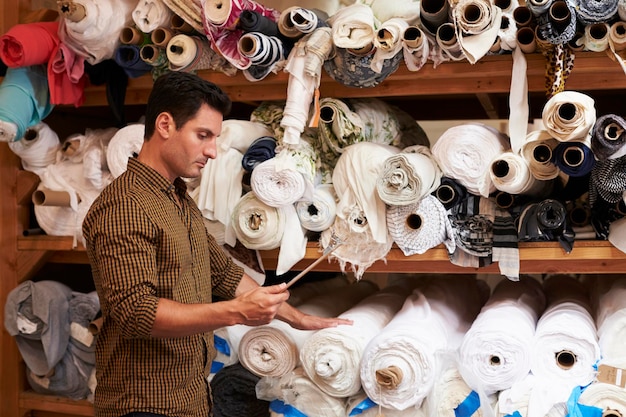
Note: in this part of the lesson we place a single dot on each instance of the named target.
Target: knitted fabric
(557, 34)
(595, 11)
(609, 136)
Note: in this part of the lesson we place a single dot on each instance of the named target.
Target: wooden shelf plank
(30, 400)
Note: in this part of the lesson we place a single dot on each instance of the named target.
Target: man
(155, 266)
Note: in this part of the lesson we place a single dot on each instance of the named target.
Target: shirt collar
(152, 176)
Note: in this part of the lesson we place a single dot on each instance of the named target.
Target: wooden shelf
(30, 400)
(588, 256)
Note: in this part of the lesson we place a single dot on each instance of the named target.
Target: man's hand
(260, 305)
(299, 320)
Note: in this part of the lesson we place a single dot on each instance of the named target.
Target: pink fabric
(66, 77)
(224, 37)
(29, 44)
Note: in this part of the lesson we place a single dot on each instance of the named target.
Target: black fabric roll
(253, 21)
(546, 221)
(608, 136)
(260, 150)
(608, 180)
(450, 192)
(234, 393)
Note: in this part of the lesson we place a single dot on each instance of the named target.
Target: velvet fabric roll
(608, 137)
(128, 57)
(234, 395)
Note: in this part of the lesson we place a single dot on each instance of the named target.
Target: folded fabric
(273, 349)
(262, 149)
(37, 315)
(464, 153)
(420, 226)
(331, 357)
(608, 137)
(65, 381)
(408, 176)
(318, 212)
(399, 366)
(569, 115)
(126, 142)
(149, 15)
(234, 395)
(37, 148)
(496, 350)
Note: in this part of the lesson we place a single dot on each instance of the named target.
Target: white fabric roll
(569, 115)
(449, 393)
(318, 213)
(515, 399)
(408, 176)
(149, 15)
(353, 26)
(39, 151)
(257, 225)
(417, 227)
(609, 398)
(496, 351)
(476, 35)
(227, 340)
(610, 316)
(416, 47)
(273, 349)
(464, 153)
(363, 406)
(511, 173)
(331, 357)
(400, 365)
(537, 152)
(126, 142)
(388, 41)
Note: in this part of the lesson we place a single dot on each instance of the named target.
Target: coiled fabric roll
(595, 11)
(608, 137)
(38, 147)
(318, 213)
(510, 173)
(477, 25)
(129, 59)
(496, 350)
(420, 226)
(558, 25)
(415, 48)
(191, 53)
(608, 181)
(574, 158)
(233, 390)
(388, 41)
(149, 15)
(450, 192)
(609, 301)
(538, 152)
(257, 225)
(29, 44)
(569, 115)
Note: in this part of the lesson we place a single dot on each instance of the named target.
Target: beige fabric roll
(537, 152)
(569, 115)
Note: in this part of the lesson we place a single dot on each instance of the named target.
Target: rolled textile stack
(603, 398)
(399, 366)
(388, 41)
(511, 173)
(273, 349)
(37, 148)
(331, 357)
(565, 347)
(496, 350)
(537, 151)
(226, 341)
(609, 302)
(569, 115)
(451, 396)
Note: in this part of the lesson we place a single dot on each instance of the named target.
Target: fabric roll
(569, 115)
(307, 20)
(565, 346)
(24, 101)
(227, 340)
(149, 15)
(363, 406)
(234, 395)
(546, 220)
(434, 13)
(558, 25)
(254, 21)
(539, 7)
(608, 137)
(510, 173)
(448, 42)
(262, 149)
(608, 181)
(603, 399)
(399, 366)
(96, 36)
(129, 59)
(126, 142)
(331, 357)
(408, 176)
(29, 44)
(574, 158)
(257, 225)
(65, 381)
(264, 53)
(154, 56)
(188, 11)
(388, 41)
(464, 153)
(36, 314)
(353, 26)
(496, 350)
(273, 349)
(450, 193)
(609, 306)
(286, 25)
(451, 396)
(355, 69)
(37, 148)
(538, 152)
(596, 37)
(415, 48)
(420, 226)
(191, 53)
(294, 394)
(477, 25)
(617, 42)
(220, 26)
(318, 213)
(594, 11)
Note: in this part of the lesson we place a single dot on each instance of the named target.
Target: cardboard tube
(161, 37)
(131, 36)
(565, 359)
(179, 24)
(412, 37)
(390, 377)
(618, 35)
(526, 40)
(414, 221)
(522, 16)
(559, 14)
(45, 197)
(74, 12)
(95, 326)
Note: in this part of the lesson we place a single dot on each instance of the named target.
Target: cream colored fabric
(476, 35)
(126, 142)
(517, 177)
(537, 152)
(385, 10)
(579, 118)
(610, 316)
(353, 26)
(257, 225)
(449, 392)
(37, 152)
(608, 398)
(388, 41)
(149, 15)
(318, 213)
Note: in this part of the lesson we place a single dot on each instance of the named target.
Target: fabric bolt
(603, 398)
(191, 53)
(399, 366)
(254, 21)
(476, 33)
(149, 15)
(226, 340)
(574, 158)
(126, 142)
(537, 151)
(264, 52)
(355, 70)
(415, 48)
(307, 20)
(569, 115)
(353, 26)
(608, 181)
(546, 220)
(511, 173)
(565, 346)
(388, 41)
(408, 176)
(305, 290)
(96, 36)
(189, 11)
(29, 44)
(257, 225)
(609, 311)
(539, 7)
(420, 226)
(608, 137)
(361, 405)
(273, 349)
(561, 28)
(450, 192)
(451, 396)
(262, 149)
(331, 357)
(304, 65)
(128, 57)
(318, 213)
(496, 351)
(596, 37)
(434, 14)
(66, 381)
(448, 43)
(294, 394)
(36, 314)
(464, 152)
(385, 10)
(38, 148)
(595, 11)
(220, 26)
(234, 395)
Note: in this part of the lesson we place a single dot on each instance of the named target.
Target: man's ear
(165, 124)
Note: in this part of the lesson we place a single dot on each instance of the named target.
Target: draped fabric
(273, 349)
(464, 153)
(331, 357)
(569, 115)
(477, 24)
(399, 366)
(420, 226)
(408, 176)
(38, 148)
(496, 350)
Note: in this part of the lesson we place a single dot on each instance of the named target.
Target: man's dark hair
(182, 94)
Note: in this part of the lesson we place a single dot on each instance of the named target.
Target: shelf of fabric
(492, 74)
(588, 256)
(30, 400)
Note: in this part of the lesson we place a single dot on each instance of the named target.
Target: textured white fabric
(449, 391)
(331, 357)
(443, 311)
(360, 405)
(496, 351)
(579, 115)
(388, 41)
(542, 169)
(257, 225)
(318, 213)
(515, 399)
(609, 398)
(149, 15)
(38, 152)
(517, 177)
(231, 335)
(273, 349)
(610, 317)
(353, 26)
(408, 176)
(476, 35)
(464, 152)
(385, 10)
(126, 142)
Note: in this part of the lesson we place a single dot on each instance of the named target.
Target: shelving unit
(488, 81)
